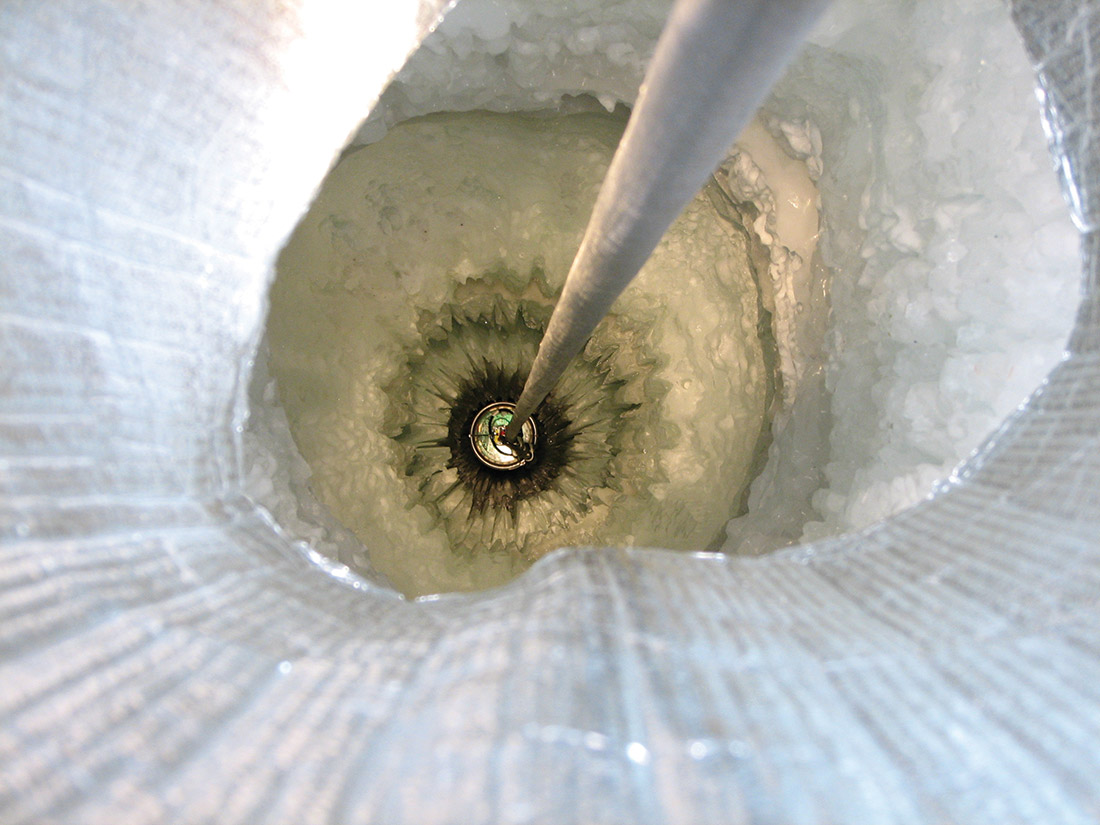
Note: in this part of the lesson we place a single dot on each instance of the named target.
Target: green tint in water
(490, 443)
(414, 294)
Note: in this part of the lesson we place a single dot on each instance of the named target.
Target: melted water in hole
(415, 292)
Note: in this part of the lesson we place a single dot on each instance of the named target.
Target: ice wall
(961, 298)
(167, 655)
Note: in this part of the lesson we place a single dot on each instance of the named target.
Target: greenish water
(416, 290)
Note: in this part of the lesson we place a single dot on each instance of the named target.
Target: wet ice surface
(432, 258)
(945, 272)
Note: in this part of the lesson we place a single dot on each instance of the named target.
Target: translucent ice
(429, 263)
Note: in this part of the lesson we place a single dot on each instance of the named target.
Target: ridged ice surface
(428, 264)
(168, 655)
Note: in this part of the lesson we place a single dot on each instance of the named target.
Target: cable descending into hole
(714, 64)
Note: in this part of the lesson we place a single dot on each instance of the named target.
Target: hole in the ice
(889, 327)
(414, 295)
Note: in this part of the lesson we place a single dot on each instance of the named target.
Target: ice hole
(913, 274)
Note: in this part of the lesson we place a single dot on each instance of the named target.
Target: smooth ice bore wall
(415, 292)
